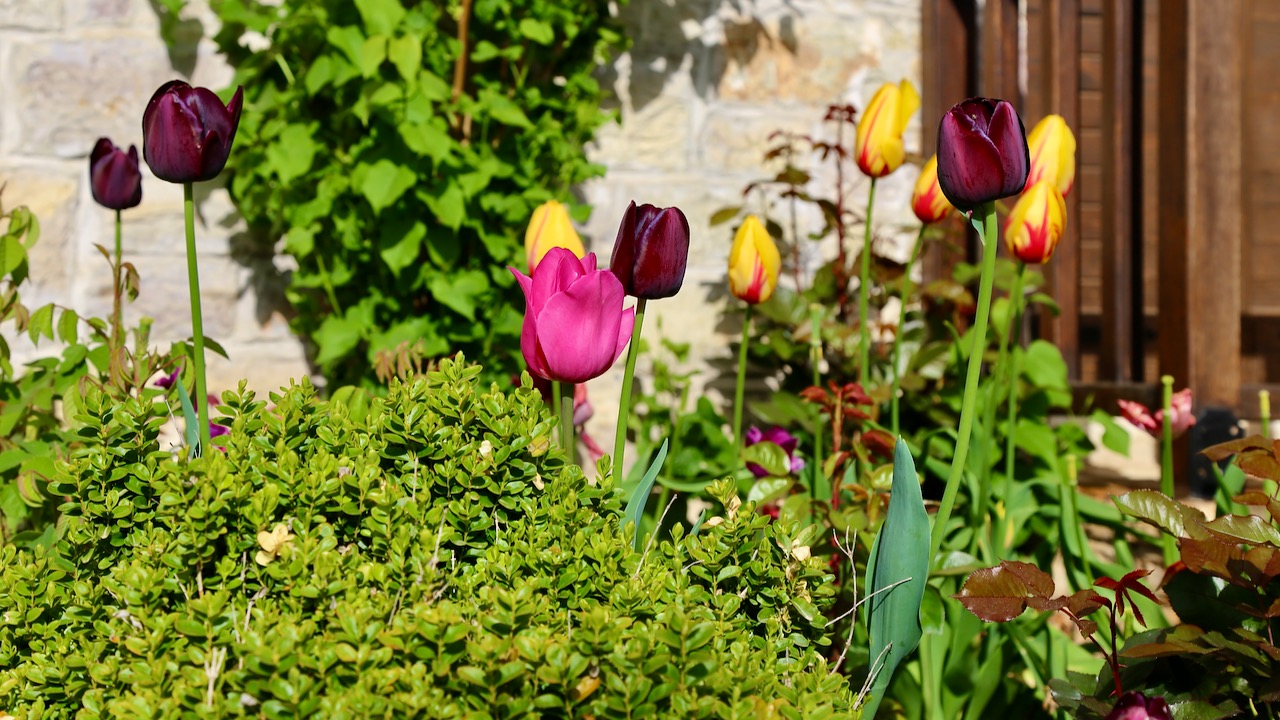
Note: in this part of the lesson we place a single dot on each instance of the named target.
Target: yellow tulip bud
(754, 262)
(1053, 153)
(1036, 224)
(878, 147)
(550, 227)
(928, 202)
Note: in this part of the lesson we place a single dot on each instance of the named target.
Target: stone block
(66, 94)
(164, 296)
(31, 14)
(52, 194)
(107, 13)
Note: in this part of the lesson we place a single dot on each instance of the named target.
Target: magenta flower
(114, 177)
(651, 252)
(1136, 706)
(777, 436)
(165, 382)
(574, 323)
(1142, 417)
(982, 153)
(187, 132)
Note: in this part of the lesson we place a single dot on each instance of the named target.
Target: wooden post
(1056, 36)
(1201, 202)
(1120, 357)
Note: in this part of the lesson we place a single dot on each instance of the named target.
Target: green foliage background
(403, 196)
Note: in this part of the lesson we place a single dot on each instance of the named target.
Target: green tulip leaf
(640, 496)
(191, 422)
(897, 572)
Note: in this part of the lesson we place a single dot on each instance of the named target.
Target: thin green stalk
(815, 361)
(1015, 370)
(1073, 487)
(739, 391)
(902, 324)
(564, 404)
(197, 322)
(969, 402)
(1166, 463)
(117, 292)
(624, 402)
(864, 293)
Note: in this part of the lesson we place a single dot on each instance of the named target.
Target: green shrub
(401, 166)
(427, 554)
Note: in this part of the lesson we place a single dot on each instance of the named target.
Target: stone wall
(704, 84)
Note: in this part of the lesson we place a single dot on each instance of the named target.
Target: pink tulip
(574, 323)
(1142, 417)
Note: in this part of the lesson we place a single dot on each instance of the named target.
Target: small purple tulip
(574, 324)
(651, 251)
(114, 177)
(187, 132)
(982, 153)
(1136, 706)
(777, 436)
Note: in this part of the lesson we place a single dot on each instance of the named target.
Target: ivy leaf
(384, 182)
(380, 16)
(505, 110)
(401, 243)
(292, 153)
(459, 292)
(372, 52)
(337, 336)
(449, 206)
(406, 54)
(537, 31)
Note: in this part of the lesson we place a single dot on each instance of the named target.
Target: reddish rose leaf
(1222, 451)
(1001, 593)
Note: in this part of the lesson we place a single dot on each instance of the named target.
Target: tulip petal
(557, 270)
(967, 161)
(1006, 132)
(533, 354)
(576, 326)
(662, 254)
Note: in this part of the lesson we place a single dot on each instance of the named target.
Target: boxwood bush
(427, 554)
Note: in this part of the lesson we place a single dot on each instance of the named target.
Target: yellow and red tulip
(878, 147)
(928, 202)
(1036, 224)
(754, 262)
(550, 227)
(1053, 153)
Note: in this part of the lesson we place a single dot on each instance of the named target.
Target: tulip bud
(754, 262)
(928, 202)
(550, 228)
(1136, 706)
(651, 251)
(1053, 153)
(114, 177)
(878, 147)
(982, 153)
(574, 324)
(187, 132)
(1036, 224)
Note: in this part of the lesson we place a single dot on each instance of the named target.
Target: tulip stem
(864, 293)
(902, 324)
(624, 402)
(1166, 464)
(1015, 369)
(815, 359)
(117, 302)
(197, 323)
(740, 390)
(562, 397)
(990, 232)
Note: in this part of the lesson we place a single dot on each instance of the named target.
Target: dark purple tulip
(187, 132)
(1136, 706)
(982, 153)
(114, 177)
(651, 251)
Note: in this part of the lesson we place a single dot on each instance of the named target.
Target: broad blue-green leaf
(900, 554)
(640, 495)
(191, 421)
(384, 182)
